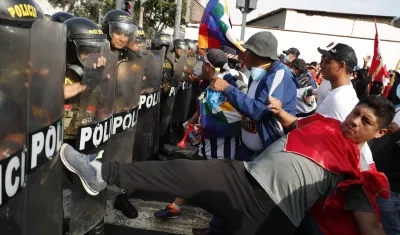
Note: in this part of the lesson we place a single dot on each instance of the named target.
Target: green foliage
(158, 14)
(87, 8)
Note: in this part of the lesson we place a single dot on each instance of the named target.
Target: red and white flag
(377, 70)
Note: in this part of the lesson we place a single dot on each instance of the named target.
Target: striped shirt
(219, 148)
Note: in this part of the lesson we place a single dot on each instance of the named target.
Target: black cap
(292, 50)
(216, 58)
(300, 64)
(342, 52)
(263, 44)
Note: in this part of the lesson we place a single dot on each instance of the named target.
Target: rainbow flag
(216, 28)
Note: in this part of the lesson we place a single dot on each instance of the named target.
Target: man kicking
(270, 194)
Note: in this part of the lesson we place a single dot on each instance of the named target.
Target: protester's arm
(287, 120)
(255, 109)
(358, 203)
(368, 223)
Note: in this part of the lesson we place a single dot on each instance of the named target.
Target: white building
(307, 30)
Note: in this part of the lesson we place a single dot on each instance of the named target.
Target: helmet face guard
(85, 47)
(119, 28)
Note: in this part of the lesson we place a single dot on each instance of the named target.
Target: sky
(368, 7)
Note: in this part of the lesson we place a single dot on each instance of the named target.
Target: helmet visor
(86, 47)
(124, 31)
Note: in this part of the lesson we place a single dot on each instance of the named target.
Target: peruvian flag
(377, 70)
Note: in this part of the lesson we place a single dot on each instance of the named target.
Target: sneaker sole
(166, 218)
(73, 170)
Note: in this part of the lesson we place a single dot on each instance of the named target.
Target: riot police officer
(121, 30)
(125, 38)
(27, 71)
(181, 108)
(164, 41)
(61, 16)
(191, 47)
(89, 65)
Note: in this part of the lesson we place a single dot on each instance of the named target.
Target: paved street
(146, 224)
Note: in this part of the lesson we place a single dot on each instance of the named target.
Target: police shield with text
(123, 35)
(30, 123)
(147, 128)
(183, 97)
(88, 126)
(169, 83)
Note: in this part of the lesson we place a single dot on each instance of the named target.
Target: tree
(159, 15)
(85, 8)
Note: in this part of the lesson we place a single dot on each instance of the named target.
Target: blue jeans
(390, 213)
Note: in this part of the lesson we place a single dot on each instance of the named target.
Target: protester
(385, 151)
(270, 194)
(291, 54)
(268, 77)
(337, 66)
(218, 121)
(235, 68)
(301, 75)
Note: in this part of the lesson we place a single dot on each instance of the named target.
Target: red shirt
(320, 139)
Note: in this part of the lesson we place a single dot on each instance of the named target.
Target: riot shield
(93, 121)
(146, 144)
(14, 58)
(169, 90)
(126, 108)
(181, 109)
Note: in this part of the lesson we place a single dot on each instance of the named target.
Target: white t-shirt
(396, 118)
(338, 104)
(322, 91)
(250, 135)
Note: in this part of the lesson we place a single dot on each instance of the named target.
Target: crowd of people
(282, 145)
(269, 175)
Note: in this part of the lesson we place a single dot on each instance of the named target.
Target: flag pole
(394, 74)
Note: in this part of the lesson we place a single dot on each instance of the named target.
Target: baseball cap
(300, 64)
(263, 44)
(292, 50)
(342, 52)
(216, 58)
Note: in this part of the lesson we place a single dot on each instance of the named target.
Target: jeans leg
(218, 226)
(390, 213)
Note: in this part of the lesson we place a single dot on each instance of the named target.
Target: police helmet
(180, 44)
(160, 40)
(61, 16)
(20, 13)
(140, 35)
(40, 12)
(119, 22)
(190, 44)
(83, 38)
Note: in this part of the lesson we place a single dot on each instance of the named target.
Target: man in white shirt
(337, 65)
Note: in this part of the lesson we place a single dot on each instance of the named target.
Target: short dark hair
(383, 108)
(349, 70)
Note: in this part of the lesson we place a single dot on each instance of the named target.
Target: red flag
(377, 69)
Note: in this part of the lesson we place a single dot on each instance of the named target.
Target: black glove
(94, 77)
